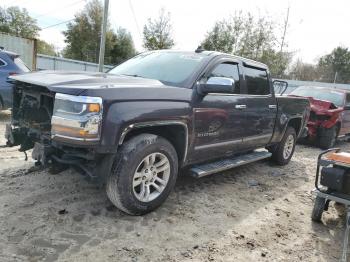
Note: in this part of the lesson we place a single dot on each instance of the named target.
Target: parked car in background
(330, 114)
(10, 64)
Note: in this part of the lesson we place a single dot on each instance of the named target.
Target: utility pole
(335, 77)
(103, 37)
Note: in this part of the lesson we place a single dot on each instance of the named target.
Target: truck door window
(257, 81)
(227, 70)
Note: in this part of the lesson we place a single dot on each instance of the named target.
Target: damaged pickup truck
(330, 114)
(160, 112)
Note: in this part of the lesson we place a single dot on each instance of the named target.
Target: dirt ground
(260, 212)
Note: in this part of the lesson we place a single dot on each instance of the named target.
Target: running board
(228, 163)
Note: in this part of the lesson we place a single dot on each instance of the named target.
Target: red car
(329, 116)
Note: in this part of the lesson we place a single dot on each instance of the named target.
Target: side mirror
(217, 85)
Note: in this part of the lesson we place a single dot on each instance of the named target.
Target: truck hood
(109, 87)
(76, 82)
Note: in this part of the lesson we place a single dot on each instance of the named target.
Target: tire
(318, 209)
(279, 154)
(327, 137)
(131, 185)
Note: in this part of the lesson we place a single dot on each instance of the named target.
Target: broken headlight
(76, 117)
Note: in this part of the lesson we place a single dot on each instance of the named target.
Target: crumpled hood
(323, 107)
(75, 82)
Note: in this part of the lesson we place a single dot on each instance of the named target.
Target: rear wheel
(318, 209)
(143, 174)
(283, 152)
(327, 137)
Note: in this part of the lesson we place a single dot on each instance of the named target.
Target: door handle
(272, 106)
(240, 106)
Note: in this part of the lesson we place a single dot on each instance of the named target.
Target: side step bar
(228, 163)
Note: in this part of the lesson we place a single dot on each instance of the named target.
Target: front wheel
(143, 174)
(283, 152)
(318, 209)
(327, 137)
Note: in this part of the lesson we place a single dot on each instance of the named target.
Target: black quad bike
(332, 183)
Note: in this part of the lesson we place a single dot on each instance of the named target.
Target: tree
(246, 36)
(16, 21)
(336, 66)
(157, 34)
(83, 34)
(123, 47)
(304, 71)
(46, 48)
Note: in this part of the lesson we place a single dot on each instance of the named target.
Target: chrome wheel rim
(288, 147)
(151, 177)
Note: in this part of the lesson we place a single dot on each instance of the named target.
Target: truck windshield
(172, 68)
(333, 96)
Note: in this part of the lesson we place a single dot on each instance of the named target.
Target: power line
(55, 10)
(16, 2)
(64, 22)
(135, 19)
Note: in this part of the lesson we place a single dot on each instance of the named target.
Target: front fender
(121, 116)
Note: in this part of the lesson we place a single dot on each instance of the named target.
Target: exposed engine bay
(32, 111)
(45, 120)
(324, 114)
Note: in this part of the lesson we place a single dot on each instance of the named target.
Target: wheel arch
(296, 123)
(176, 132)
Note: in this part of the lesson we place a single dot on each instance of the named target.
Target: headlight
(77, 117)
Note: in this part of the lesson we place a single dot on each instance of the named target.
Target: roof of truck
(246, 61)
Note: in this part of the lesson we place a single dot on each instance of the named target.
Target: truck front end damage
(323, 115)
(63, 129)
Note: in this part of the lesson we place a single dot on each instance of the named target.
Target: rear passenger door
(260, 107)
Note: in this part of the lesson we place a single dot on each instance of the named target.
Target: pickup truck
(163, 111)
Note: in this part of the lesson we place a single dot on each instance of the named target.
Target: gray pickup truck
(136, 126)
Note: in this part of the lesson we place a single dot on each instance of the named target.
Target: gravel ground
(259, 212)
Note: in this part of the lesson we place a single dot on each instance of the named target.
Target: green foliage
(83, 37)
(16, 21)
(157, 33)
(304, 71)
(123, 47)
(83, 34)
(336, 63)
(46, 48)
(243, 35)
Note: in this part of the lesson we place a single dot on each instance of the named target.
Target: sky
(315, 27)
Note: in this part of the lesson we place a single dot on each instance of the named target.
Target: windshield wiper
(133, 75)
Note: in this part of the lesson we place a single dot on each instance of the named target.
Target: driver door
(218, 116)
